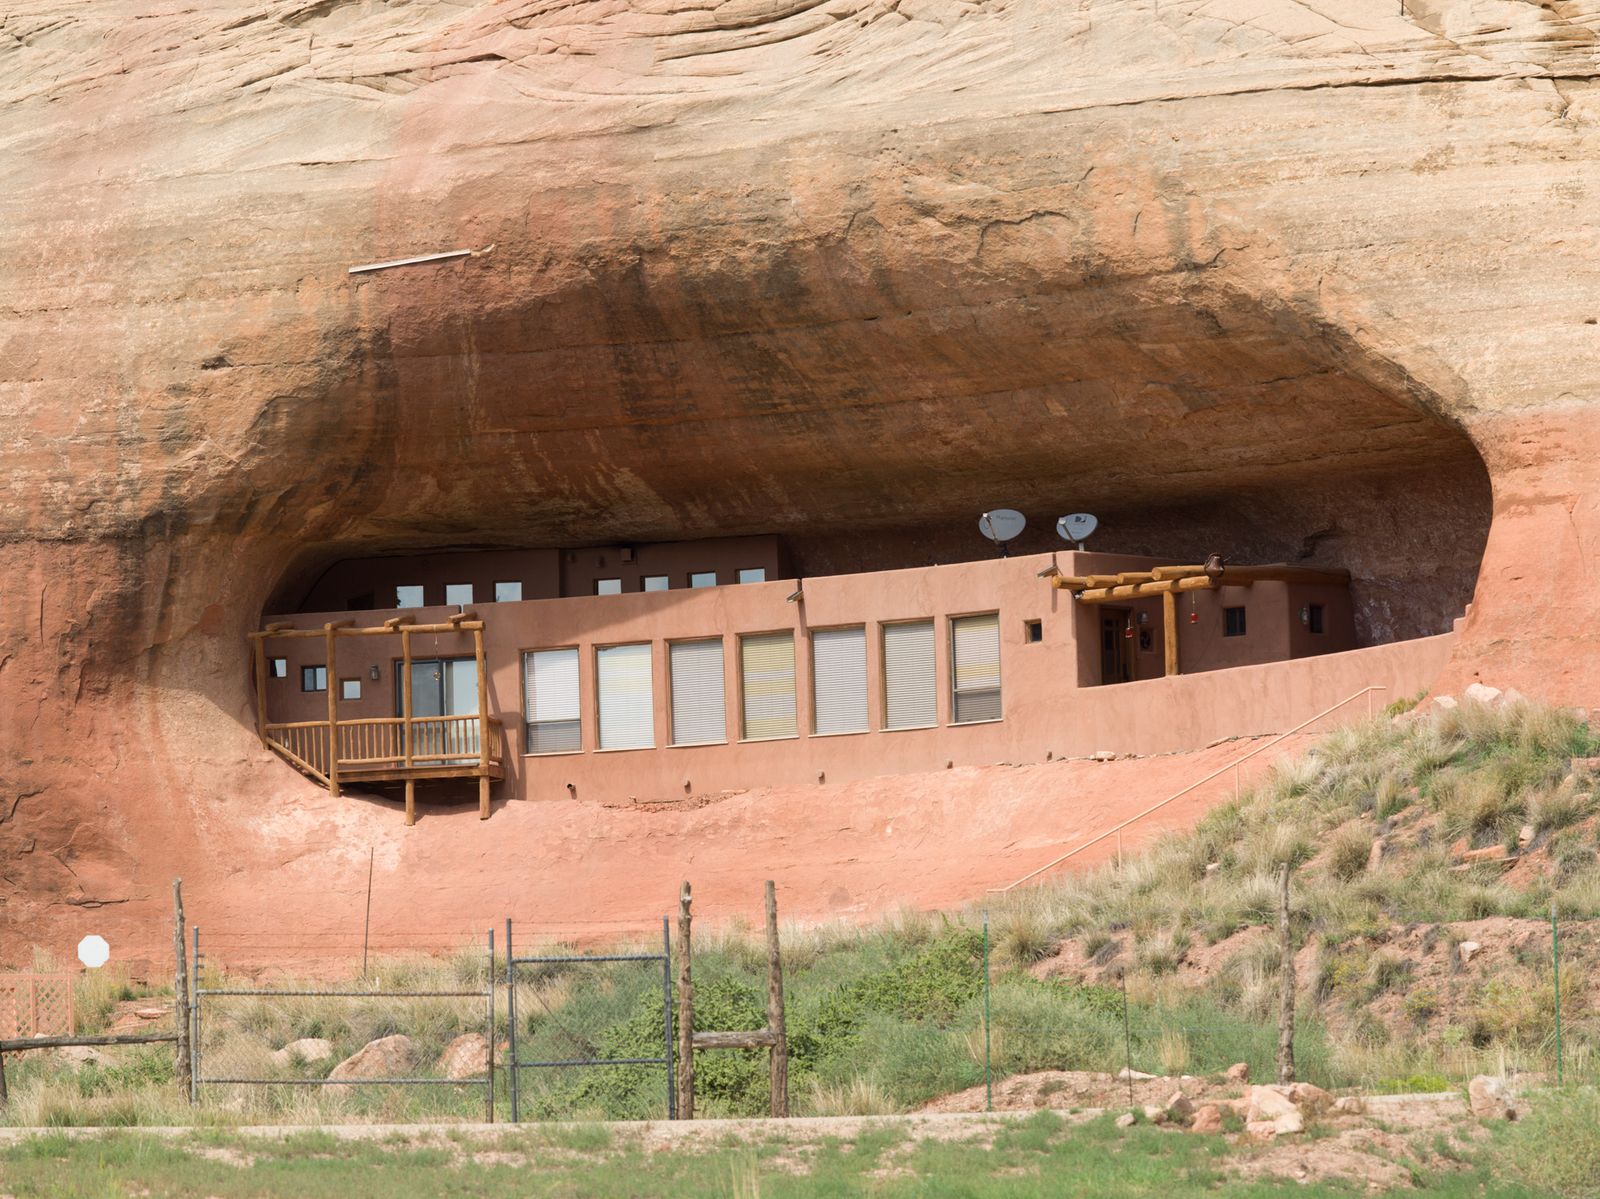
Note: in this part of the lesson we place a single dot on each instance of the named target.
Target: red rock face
(1259, 282)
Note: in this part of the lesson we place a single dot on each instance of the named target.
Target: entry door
(443, 687)
(1116, 645)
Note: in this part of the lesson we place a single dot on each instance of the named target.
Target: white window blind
(839, 679)
(911, 700)
(767, 661)
(627, 700)
(699, 711)
(550, 701)
(975, 663)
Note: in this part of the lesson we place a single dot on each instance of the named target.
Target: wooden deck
(383, 749)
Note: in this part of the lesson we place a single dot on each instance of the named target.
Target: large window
(699, 709)
(627, 698)
(910, 697)
(839, 680)
(766, 661)
(550, 701)
(975, 667)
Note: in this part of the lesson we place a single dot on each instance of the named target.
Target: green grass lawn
(1037, 1156)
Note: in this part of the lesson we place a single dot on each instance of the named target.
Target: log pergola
(385, 749)
(1169, 582)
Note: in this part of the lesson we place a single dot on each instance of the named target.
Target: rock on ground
(465, 1057)
(307, 1049)
(1490, 1098)
(387, 1057)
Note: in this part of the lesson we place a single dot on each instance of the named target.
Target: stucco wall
(1045, 712)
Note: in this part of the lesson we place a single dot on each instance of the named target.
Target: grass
(1037, 1156)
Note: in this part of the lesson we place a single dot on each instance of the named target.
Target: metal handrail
(1233, 765)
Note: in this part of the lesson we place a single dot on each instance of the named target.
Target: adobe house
(653, 672)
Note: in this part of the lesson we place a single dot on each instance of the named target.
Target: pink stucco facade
(1050, 707)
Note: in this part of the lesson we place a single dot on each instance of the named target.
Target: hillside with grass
(1427, 851)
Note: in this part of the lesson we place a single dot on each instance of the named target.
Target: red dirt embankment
(294, 891)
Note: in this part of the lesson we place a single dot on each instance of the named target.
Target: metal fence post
(489, 1031)
(1555, 961)
(511, 1017)
(195, 1058)
(988, 1068)
(666, 1008)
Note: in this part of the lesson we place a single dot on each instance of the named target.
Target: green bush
(1557, 1147)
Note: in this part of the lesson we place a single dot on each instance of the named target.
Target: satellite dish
(93, 952)
(1076, 527)
(1002, 525)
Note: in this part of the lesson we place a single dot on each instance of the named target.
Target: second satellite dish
(1076, 527)
(1002, 525)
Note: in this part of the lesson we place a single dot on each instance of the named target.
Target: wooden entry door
(1116, 645)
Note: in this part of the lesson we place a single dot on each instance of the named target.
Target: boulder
(307, 1049)
(1207, 1119)
(1468, 950)
(1238, 1072)
(465, 1057)
(1127, 1120)
(1490, 1099)
(1272, 1106)
(1311, 1099)
(1445, 703)
(387, 1057)
(1350, 1105)
(1480, 694)
(1180, 1107)
(1155, 1113)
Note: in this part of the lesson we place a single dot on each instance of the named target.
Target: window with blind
(766, 662)
(839, 680)
(550, 702)
(627, 699)
(910, 698)
(699, 712)
(975, 667)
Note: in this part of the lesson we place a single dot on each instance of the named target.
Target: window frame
(449, 587)
(422, 596)
(499, 583)
(672, 701)
(701, 574)
(739, 574)
(646, 580)
(594, 656)
(883, 671)
(524, 656)
(955, 672)
(344, 695)
(866, 678)
(312, 670)
(794, 685)
(1228, 614)
(1316, 620)
(599, 583)
(277, 668)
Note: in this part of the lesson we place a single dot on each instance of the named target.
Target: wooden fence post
(1285, 982)
(775, 1018)
(685, 1010)
(180, 993)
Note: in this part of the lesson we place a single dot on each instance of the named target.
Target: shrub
(1422, 1004)
(1348, 851)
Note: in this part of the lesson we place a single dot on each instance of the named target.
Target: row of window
(411, 595)
(624, 679)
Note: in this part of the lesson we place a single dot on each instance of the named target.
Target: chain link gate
(559, 1040)
(432, 1014)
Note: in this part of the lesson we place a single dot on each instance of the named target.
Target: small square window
(1233, 622)
(655, 583)
(1314, 618)
(1033, 631)
(349, 688)
(754, 574)
(277, 668)
(313, 678)
(608, 586)
(507, 593)
(703, 578)
(458, 593)
(408, 596)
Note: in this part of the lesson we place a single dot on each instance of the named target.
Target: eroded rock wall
(1323, 272)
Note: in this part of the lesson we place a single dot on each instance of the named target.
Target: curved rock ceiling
(1309, 279)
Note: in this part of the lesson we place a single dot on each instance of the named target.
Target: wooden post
(260, 644)
(685, 1010)
(5, 1099)
(483, 726)
(1285, 982)
(775, 1019)
(411, 802)
(1169, 631)
(405, 691)
(332, 678)
(180, 994)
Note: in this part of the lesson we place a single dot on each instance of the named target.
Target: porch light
(372, 672)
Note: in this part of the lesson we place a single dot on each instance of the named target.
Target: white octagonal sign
(93, 952)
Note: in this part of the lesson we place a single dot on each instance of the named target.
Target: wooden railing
(372, 744)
